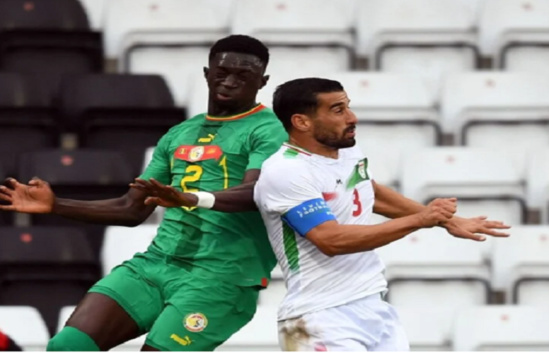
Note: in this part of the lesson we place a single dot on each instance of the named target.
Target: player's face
(334, 122)
(234, 79)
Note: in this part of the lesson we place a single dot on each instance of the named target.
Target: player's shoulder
(264, 117)
(288, 160)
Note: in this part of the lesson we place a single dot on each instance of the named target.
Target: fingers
(12, 183)
(36, 181)
(6, 191)
(152, 201)
(6, 197)
(496, 225)
(7, 208)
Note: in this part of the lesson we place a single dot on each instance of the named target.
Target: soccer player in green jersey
(199, 280)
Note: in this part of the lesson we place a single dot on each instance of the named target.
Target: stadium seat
(28, 120)
(516, 34)
(430, 268)
(260, 334)
(428, 37)
(45, 267)
(486, 182)
(395, 112)
(302, 35)
(427, 328)
(121, 243)
(50, 39)
(127, 113)
(167, 37)
(78, 174)
(95, 9)
(521, 265)
(538, 183)
(498, 328)
(25, 326)
(497, 109)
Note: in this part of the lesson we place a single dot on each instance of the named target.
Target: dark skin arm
(235, 199)
(37, 197)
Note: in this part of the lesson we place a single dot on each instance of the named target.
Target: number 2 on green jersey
(193, 173)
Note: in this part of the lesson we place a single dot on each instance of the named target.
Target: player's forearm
(237, 199)
(348, 239)
(111, 211)
(391, 204)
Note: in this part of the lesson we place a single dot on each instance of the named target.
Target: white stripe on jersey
(315, 281)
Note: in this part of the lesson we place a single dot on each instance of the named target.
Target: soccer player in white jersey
(316, 196)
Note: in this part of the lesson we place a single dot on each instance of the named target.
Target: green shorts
(181, 311)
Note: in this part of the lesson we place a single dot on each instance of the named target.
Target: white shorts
(367, 324)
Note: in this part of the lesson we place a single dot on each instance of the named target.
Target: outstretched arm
(391, 204)
(333, 238)
(236, 199)
(37, 197)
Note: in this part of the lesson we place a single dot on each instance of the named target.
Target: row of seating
(520, 328)
(50, 267)
(373, 21)
(127, 113)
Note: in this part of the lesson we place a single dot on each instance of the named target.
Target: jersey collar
(254, 110)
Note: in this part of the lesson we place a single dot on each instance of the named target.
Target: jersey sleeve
(264, 141)
(291, 192)
(159, 166)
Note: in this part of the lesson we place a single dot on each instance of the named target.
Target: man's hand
(474, 228)
(36, 197)
(437, 212)
(164, 195)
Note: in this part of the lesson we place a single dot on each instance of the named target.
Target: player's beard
(334, 140)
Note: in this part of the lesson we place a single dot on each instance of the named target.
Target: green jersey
(210, 154)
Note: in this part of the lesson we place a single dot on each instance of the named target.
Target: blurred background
(452, 98)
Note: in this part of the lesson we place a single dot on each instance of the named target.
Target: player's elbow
(325, 246)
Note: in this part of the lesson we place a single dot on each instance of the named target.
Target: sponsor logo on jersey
(184, 341)
(195, 322)
(191, 153)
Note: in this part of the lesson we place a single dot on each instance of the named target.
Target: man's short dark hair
(241, 44)
(300, 97)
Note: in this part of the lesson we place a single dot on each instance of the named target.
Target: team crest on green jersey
(360, 173)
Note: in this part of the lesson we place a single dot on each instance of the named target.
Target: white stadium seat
(121, 243)
(25, 325)
(486, 182)
(521, 265)
(302, 35)
(427, 328)
(513, 30)
(430, 268)
(497, 109)
(502, 328)
(394, 111)
(427, 37)
(168, 37)
(538, 182)
(95, 9)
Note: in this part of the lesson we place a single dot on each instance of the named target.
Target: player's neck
(314, 147)
(218, 111)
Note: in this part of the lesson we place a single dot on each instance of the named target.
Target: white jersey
(289, 180)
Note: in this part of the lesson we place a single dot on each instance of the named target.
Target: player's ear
(264, 80)
(301, 122)
(206, 71)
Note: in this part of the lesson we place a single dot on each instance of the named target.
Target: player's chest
(348, 190)
(208, 146)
